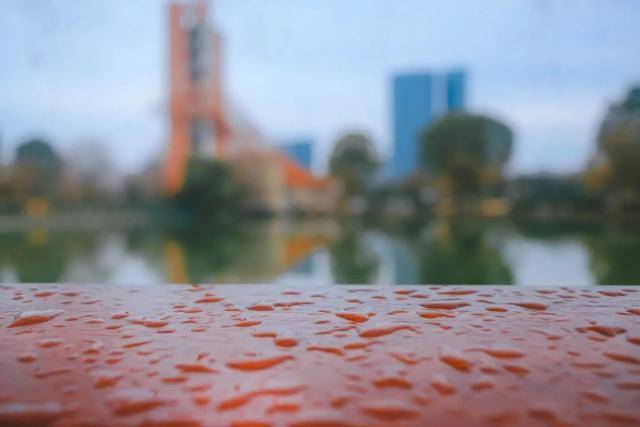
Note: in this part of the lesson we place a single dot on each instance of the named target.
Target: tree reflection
(40, 256)
(189, 255)
(251, 253)
(614, 254)
(351, 260)
(461, 253)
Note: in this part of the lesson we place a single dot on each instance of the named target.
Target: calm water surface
(468, 252)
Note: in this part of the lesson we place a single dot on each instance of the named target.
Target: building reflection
(250, 254)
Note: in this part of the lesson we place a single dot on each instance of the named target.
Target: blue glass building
(456, 93)
(418, 100)
(412, 94)
(300, 150)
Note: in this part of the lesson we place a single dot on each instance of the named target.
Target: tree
(354, 162)
(90, 174)
(466, 153)
(37, 170)
(619, 142)
(209, 191)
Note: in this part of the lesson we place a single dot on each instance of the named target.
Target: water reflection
(42, 256)
(614, 254)
(352, 260)
(468, 252)
(465, 252)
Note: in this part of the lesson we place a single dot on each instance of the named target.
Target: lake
(326, 252)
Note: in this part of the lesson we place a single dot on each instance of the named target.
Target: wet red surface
(329, 356)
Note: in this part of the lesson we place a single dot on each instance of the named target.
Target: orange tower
(197, 119)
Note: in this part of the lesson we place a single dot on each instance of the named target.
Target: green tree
(210, 192)
(466, 153)
(354, 162)
(619, 142)
(37, 169)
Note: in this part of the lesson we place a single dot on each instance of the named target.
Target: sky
(96, 70)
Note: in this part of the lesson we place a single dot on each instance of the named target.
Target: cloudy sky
(77, 70)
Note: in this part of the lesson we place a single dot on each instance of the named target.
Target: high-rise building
(418, 100)
(456, 90)
(300, 150)
(197, 119)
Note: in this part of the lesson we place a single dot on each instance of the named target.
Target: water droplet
(353, 317)
(634, 340)
(517, 369)
(200, 398)
(285, 342)
(149, 323)
(195, 368)
(608, 331)
(174, 379)
(135, 344)
(258, 363)
(35, 316)
(26, 358)
(326, 349)
(404, 291)
(103, 379)
(133, 401)
(260, 307)
(407, 359)
(43, 294)
(532, 305)
(264, 334)
(444, 305)
(628, 385)
(442, 384)
(50, 342)
(434, 314)
(596, 396)
(483, 383)
(502, 352)
(206, 300)
(244, 398)
(455, 359)
(385, 330)
(247, 323)
(612, 293)
(389, 410)
(396, 382)
(283, 407)
(622, 357)
(458, 292)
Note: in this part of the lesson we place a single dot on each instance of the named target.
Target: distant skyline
(78, 70)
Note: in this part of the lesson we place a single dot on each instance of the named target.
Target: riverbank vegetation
(463, 172)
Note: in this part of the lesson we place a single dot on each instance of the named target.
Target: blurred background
(307, 141)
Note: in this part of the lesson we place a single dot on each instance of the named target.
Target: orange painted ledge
(323, 356)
